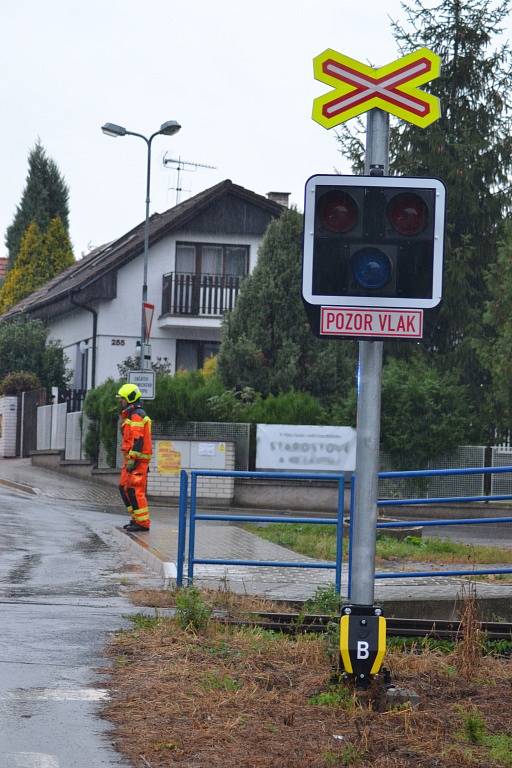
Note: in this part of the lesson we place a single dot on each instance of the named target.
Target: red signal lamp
(337, 211)
(407, 213)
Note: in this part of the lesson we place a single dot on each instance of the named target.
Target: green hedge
(423, 410)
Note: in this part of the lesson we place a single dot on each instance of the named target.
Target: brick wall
(219, 489)
(8, 419)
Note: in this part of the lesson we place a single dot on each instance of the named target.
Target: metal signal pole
(368, 407)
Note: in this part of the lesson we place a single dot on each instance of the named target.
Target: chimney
(282, 198)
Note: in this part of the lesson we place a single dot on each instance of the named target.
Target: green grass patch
(334, 697)
(319, 542)
(475, 732)
(213, 681)
(325, 601)
(140, 621)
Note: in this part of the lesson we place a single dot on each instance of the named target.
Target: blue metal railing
(194, 516)
(437, 522)
(338, 521)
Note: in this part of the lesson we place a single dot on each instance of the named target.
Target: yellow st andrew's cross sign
(393, 88)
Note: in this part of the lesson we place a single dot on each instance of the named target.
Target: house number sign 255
(118, 342)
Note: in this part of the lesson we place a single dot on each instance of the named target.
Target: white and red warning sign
(149, 311)
(365, 322)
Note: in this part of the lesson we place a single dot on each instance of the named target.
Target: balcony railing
(186, 293)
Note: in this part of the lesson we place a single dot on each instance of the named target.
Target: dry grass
(219, 599)
(233, 697)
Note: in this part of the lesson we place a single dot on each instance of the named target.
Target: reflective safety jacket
(136, 432)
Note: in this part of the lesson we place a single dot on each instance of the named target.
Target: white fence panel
(73, 450)
(8, 424)
(59, 414)
(44, 427)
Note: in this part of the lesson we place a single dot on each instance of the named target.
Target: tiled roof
(111, 256)
(3, 267)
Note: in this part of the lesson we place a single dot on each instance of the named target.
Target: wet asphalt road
(59, 600)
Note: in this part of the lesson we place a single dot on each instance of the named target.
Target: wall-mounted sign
(305, 448)
(168, 460)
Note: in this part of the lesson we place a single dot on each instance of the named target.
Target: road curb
(20, 486)
(150, 556)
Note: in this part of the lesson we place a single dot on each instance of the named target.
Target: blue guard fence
(188, 516)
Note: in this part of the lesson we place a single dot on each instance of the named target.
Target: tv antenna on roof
(181, 167)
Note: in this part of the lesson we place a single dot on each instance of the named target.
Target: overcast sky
(237, 76)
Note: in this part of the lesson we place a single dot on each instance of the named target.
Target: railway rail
(297, 623)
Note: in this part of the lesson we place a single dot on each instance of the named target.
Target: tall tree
(45, 197)
(495, 349)
(21, 280)
(470, 148)
(41, 257)
(266, 341)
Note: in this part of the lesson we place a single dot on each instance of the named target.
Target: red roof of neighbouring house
(3, 267)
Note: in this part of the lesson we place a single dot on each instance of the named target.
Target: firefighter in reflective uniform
(136, 449)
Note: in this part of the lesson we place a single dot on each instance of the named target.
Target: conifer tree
(494, 350)
(22, 279)
(58, 253)
(45, 196)
(470, 149)
(41, 257)
(266, 341)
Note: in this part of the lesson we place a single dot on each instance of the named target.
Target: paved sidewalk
(225, 541)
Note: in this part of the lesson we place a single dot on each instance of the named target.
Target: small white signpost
(145, 380)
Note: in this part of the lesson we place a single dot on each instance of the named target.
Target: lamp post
(168, 128)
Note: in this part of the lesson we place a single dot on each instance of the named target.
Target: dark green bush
(287, 408)
(102, 408)
(184, 397)
(19, 381)
(192, 396)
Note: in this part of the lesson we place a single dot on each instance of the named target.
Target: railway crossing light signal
(373, 241)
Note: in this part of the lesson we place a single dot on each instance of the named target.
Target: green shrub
(19, 381)
(288, 408)
(184, 397)
(92, 441)
(102, 408)
(191, 610)
(325, 601)
(230, 404)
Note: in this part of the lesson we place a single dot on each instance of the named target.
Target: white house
(199, 252)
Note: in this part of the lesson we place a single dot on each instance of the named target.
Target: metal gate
(26, 428)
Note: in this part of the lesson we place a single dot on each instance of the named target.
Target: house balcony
(201, 300)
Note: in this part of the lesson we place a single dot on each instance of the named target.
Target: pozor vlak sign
(385, 323)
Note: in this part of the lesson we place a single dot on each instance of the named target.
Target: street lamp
(169, 128)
